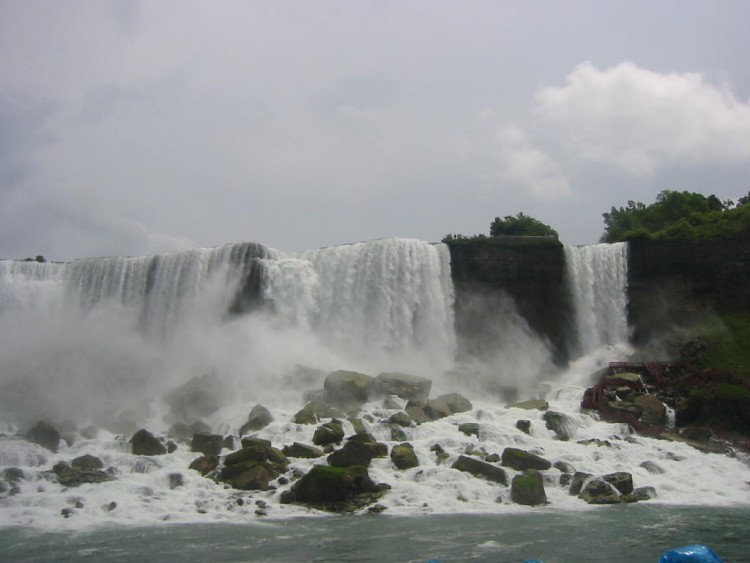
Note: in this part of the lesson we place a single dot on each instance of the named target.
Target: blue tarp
(690, 554)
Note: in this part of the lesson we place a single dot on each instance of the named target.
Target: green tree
(520, 226)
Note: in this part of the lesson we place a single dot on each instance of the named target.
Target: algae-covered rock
(643, 493)
(469, 428)
(207, 444)
(204, 464)
(653, 410)
(346, 387)
(534, 404)
(524, 426)
(622, 481)
(564, 467)
(70, 476)
(352, 454)
(249, 475)
(528, 488)
(520, 460)
(404, 457)
(145, 443)
(329, 433)
(579, 478)
(401, 419)
(481, 469)
(336, 489)
(405, 386)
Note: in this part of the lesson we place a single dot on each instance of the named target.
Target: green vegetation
(731, 349)
(509, 226)
(678, 215)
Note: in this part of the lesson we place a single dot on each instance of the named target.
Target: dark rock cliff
(494, 276)
(680, 283)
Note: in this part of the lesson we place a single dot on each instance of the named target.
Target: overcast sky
(130, 128)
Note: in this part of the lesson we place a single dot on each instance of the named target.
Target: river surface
(624, 533)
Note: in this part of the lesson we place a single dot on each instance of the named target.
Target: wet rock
(176, 480)
(379, 449)
(69, 476)
(481, 469)
(398, 434)
(328, 433)
(13, 474)
(403, 456)
(579, 478)
(534, 404)
(204, 465)
(358, 426)
(524, 426)
(171, 446)
(561, 424)
(564, 467)
(528, 488)
(643, 493)
(521, 460)
(313, 411)
(652, 467)
(353, 453)
(347, 387)
(599, 491)
(336, 489)
(259, 418)
(416, 411)
(595, 442)
(405, 386)
(653, 411)
(436, 409)
(469, 428)
(391, 402)
(621, 480)
(45, 435)
(145, 443)
(440, 454)
(199, 397)
(87, 461)
(249, 475)
(456, 403)
(207, 444)
(300, 450)
(401, 419)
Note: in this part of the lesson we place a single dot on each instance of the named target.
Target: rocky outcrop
(145, 443)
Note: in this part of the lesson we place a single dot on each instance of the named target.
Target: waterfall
(597, 278)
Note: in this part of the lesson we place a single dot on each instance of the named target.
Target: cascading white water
(597, 278)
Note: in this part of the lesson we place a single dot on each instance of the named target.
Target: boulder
(347, 387)
(576, 484)
(481, 469)
(207, 444)
(379, 449)
(469, 428)
(45, 435)
(248, 476)
(259, 418)
(405, 386)
(199, 397)
(400, 419)
(416, 411)
(398, 434)
(204, 464)
(652, 467)
(328, 433)
(353, 453)
(457, 403)
(599, 491)
(528, 488)
(626, 376)
(653, 411)
(313, 411)
(521, 460)
(175, 480)
(336, 489)
(436, 409)
(524, 426)
(534, 404)
(403, 456)
(391, 402)
(145, 443)
(643, 493)
(561, 424)
(69, 476)
(13, 474)
(87, 461)
(564, 467)
(302, 451)
(622, 481)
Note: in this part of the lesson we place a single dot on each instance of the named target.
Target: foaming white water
(597, 277)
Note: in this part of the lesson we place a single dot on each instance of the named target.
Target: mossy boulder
(401, 419)
(404, 457)
(405, 386)
(528, 488)
(300, 450)
(436, 409)
(561, 424)
(469, 428)
(145, 443)
(622, 481)
(599, 491)
(253, 466)
(576, 484)
(524, 426)
(329, 433)
(416, 411)
(204, 464)
(336, 489)
(84, 472)
(520, 460)
(653, 411)
(482, 469)
(352, 454)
